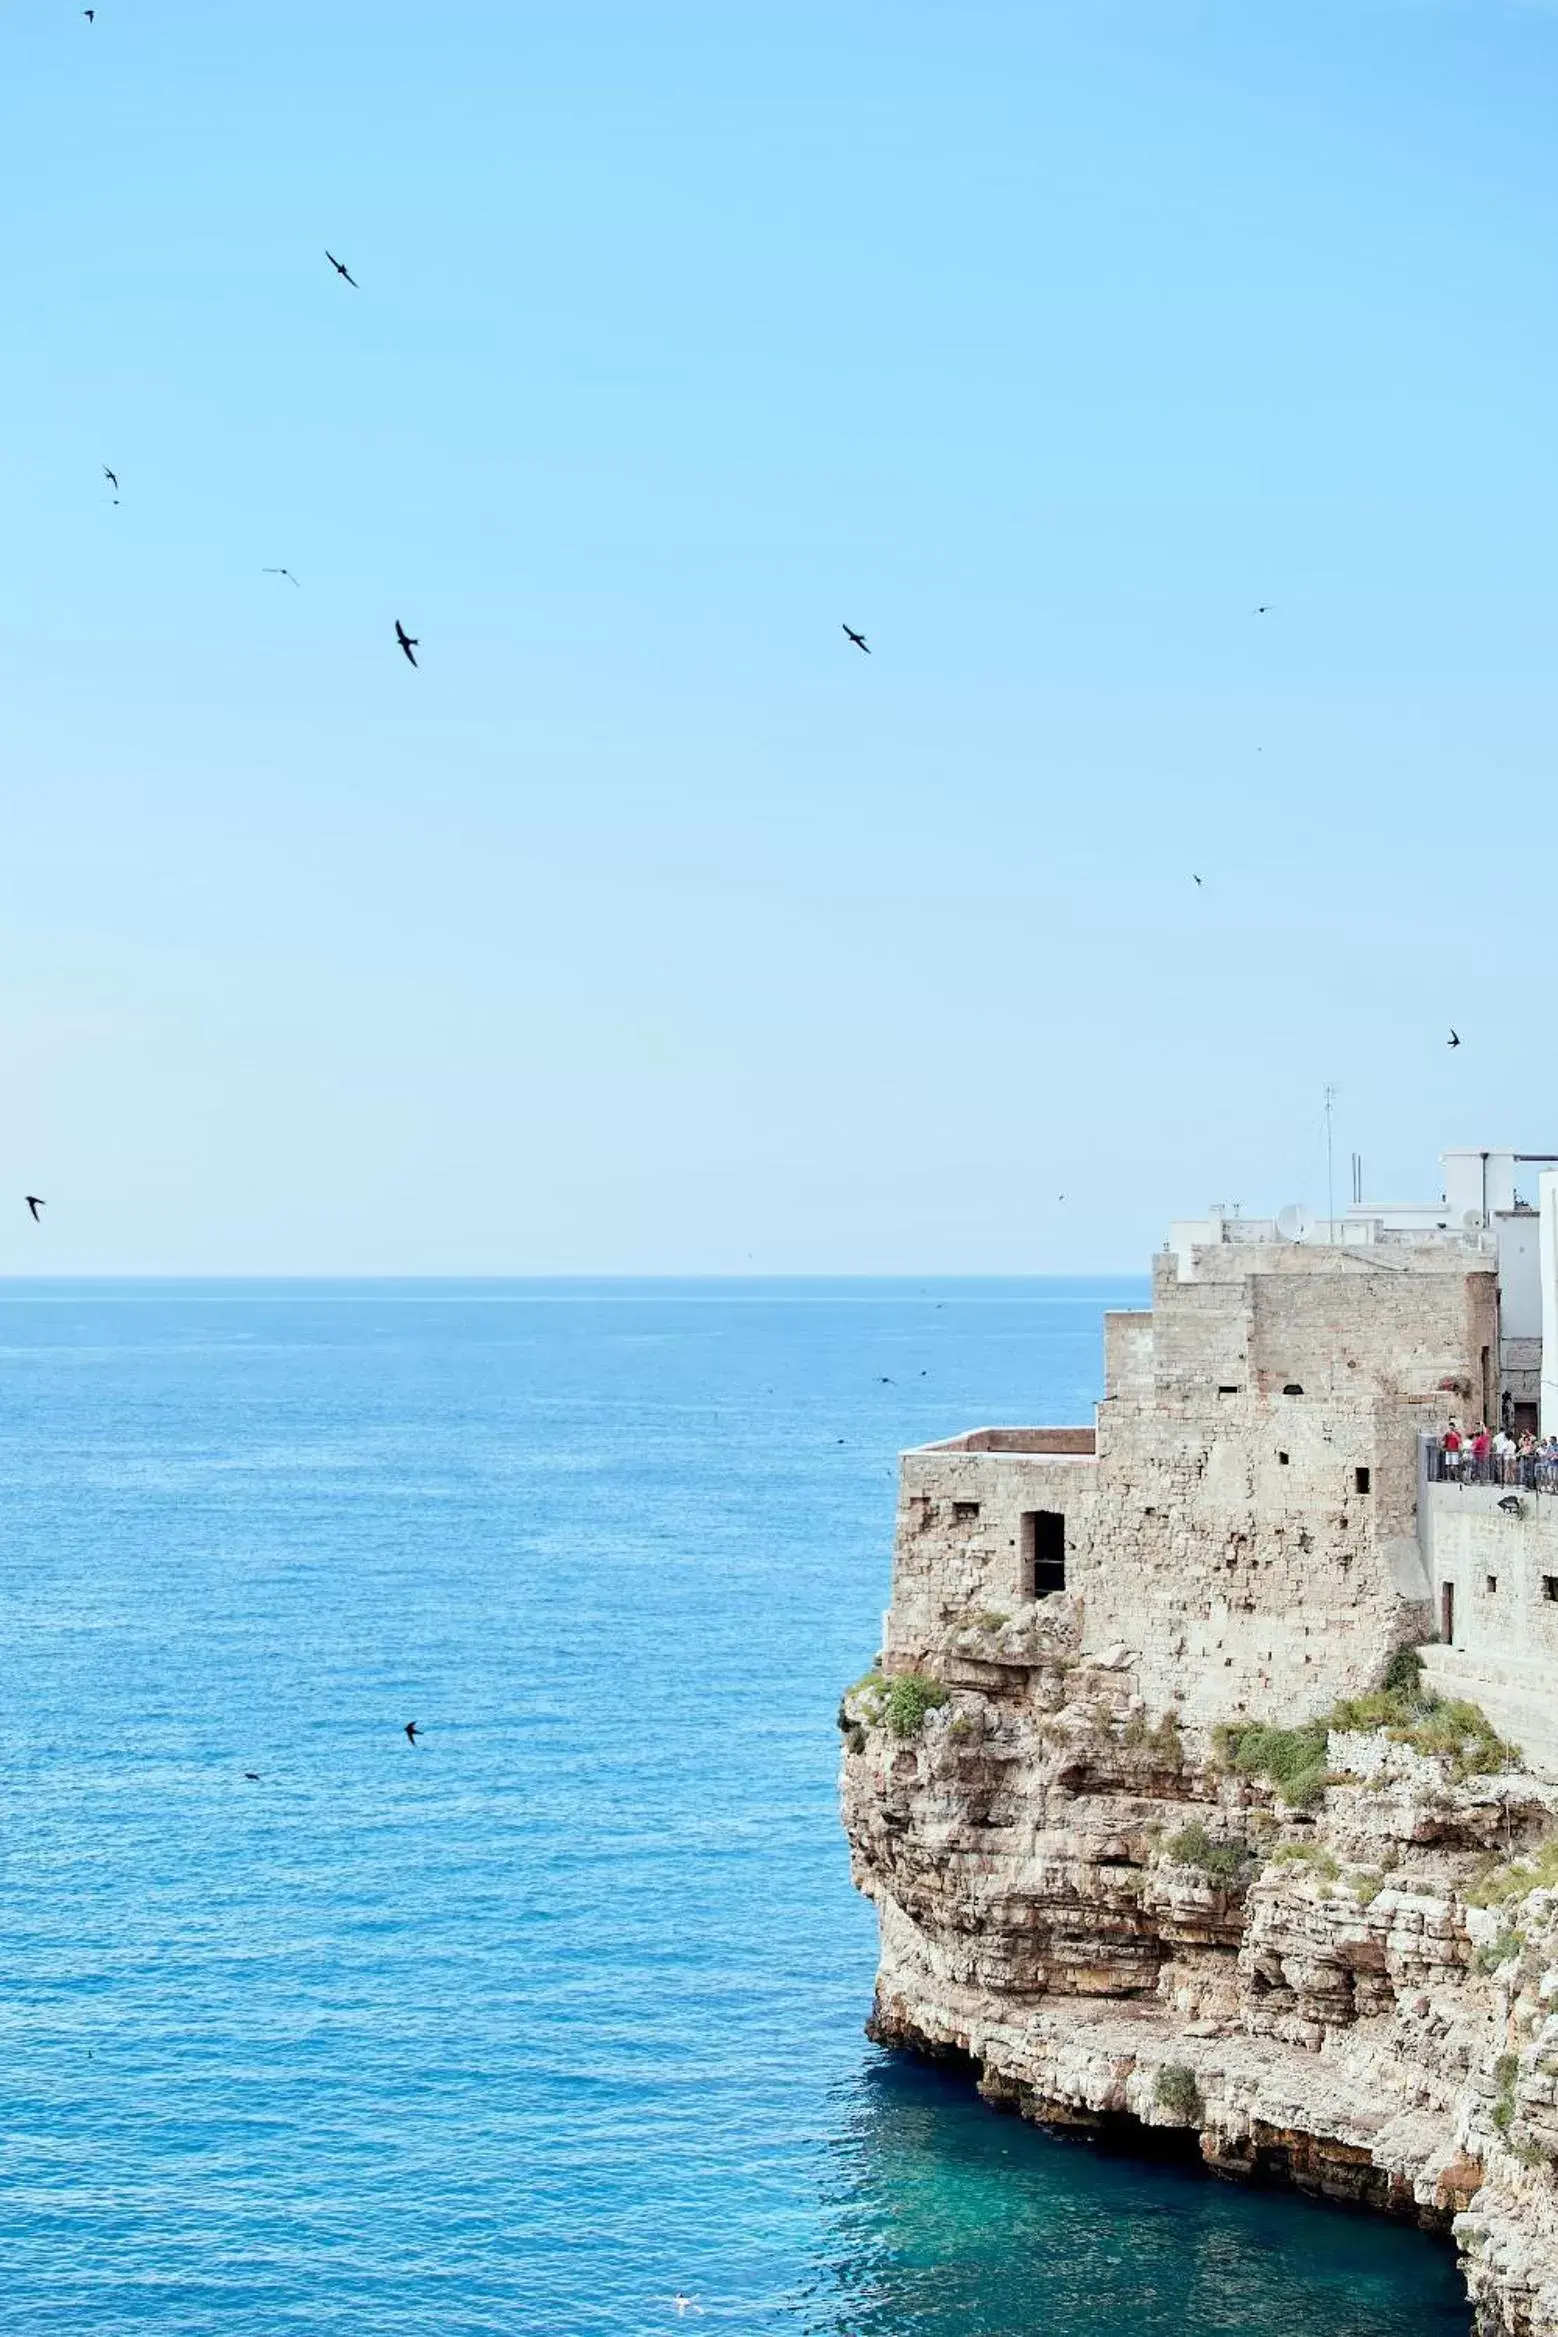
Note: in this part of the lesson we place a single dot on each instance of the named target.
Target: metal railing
(1517, 1472)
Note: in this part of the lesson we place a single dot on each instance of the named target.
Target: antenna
(1330, 1167)
(1357, 1180)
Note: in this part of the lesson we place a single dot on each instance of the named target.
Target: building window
(965, 1512)
(1228, 1391)
(1492, 1582)
(1282, 1457)
(1550, 1587)
(1292, 1388)
(1043, 1553)
(1361, 1480)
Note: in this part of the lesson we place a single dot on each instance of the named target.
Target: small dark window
(1228, 1391)
(1361, 1480)
(1292, 1388)
(1492, 1584)
(1043, 1553)
(965, 1511)
(1550, 1587)
(1282, 1457)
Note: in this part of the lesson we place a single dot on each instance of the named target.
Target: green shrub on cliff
(1506, 2073)
(1223, 1863)
(1163, 1740)
(1319, 1860)
(1498, 1951)
(1537, 1871)
(1294, 1759)
(909, 1697)
(1175, 2089)
(1404, 1673)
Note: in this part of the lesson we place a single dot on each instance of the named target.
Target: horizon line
(592, 1274)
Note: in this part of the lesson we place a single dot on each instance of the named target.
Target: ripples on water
(533, 2025)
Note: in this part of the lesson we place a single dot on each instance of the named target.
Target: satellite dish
(1293, 1222)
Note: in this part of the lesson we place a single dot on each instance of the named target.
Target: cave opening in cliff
(1043, 1553)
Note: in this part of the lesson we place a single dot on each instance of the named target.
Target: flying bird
(858, 639)
(90, 14)
(1454, 1039)
(113, 480)
(408, 641)
(286, 572)
(252, 1776)
(342, 269)
(1264, 609)
(1193, 874)
(412, 1732)
(35, 1202)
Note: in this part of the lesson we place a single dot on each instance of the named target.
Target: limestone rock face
(1111, 1926)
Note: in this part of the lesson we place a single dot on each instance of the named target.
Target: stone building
(1246, 1524)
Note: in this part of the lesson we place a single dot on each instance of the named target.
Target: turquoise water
(531, 2025)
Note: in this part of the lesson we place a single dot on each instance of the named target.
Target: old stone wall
(1243, 1559)
(1500, 1631)
(1248, 1526)
(959, 1543)
(1503, 1566)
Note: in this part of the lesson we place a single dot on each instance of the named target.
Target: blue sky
(649, 926)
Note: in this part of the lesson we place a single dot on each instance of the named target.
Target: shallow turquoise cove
(559, 2012)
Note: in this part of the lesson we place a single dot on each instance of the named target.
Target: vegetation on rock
(1163, 1739)
(1506, 2069)
(1319, 1860)
(1295, 1759)
(1537, 1871)
(1223, 1863)
(1175, 2090)
(1499, 1951)
(909, 1697)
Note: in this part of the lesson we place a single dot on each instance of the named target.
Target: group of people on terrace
(1492, 1456)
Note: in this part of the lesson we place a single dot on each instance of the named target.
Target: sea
(554, 2015)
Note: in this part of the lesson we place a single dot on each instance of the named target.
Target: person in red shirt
(1481, 1445)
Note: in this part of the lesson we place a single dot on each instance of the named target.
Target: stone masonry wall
(959, 1540)
(1502, 1567)
(1247, 1529)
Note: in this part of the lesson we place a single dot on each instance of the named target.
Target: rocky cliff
(1323, 1954)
